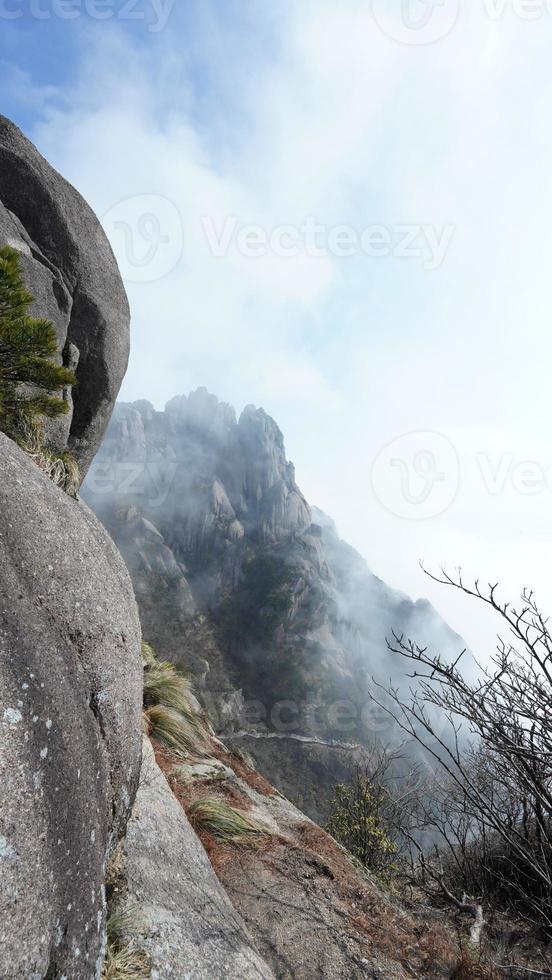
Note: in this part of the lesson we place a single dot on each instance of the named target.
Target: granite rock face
(70, 720)
(71, 272)
(182, 917)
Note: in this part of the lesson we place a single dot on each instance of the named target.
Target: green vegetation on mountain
(29, 376)
(358, 822)
(262, 600)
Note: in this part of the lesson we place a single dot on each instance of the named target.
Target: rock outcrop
(70, 720)
(231, 566)
(70, 270)
(181, 916)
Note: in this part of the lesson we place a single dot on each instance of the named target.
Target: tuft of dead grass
(172, 714)
(225, 823)
(123, 959)
(173, 730)
(61, 468)
(164, 684)
(125, 962)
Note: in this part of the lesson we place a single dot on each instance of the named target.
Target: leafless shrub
(491, 742)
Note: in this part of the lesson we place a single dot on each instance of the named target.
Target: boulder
(181, 915)
(70, 270)
(70, 710)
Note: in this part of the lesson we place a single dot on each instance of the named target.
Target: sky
(340, 212)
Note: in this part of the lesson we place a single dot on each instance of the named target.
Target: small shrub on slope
(357, 822)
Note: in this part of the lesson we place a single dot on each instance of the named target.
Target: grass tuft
(148, 655)
(123, 960)
(164, 684)
(119, 923)
(173, 730)
(171, 712)
(62, 469)
(226, 824)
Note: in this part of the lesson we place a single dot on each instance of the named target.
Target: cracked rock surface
(70, 709)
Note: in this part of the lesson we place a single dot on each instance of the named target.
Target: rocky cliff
(71, 272)
(70, 664)
(281, 623)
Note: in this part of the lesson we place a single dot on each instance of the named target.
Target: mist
(218, 537)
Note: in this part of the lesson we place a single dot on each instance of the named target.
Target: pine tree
(29, 377)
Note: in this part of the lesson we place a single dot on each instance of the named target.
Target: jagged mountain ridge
(281, 623)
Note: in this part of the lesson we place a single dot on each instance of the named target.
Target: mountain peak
(202, 410)
(200, 439)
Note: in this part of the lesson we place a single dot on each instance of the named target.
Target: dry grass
(119, 923)
(115, 877)
(173, 730)
(475, 967)
(164, 684)
(62, 469)
(226, 824)
(426, 948)
(171, 714)
(123, 959)
(125, 962)
(250, 776)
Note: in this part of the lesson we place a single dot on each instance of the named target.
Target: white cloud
(344, 124)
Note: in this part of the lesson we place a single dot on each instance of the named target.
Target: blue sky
(411, 381)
